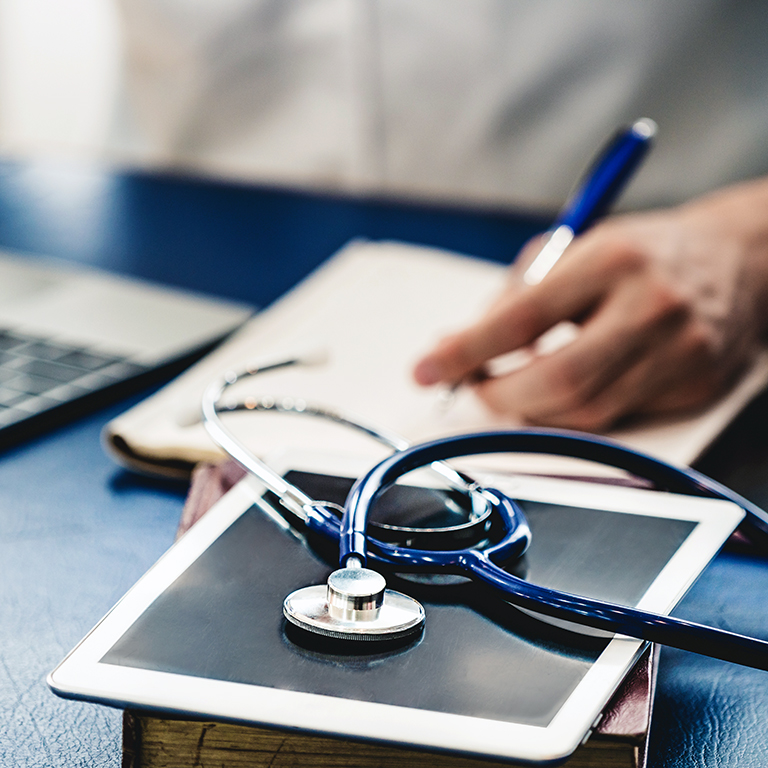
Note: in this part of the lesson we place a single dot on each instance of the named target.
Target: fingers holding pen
(641, 344)
(670, 306)
(581, 385)
(523, 314)
(676, 374)
(574, 288)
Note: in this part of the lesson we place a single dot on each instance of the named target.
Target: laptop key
(11, 340)
(49, 369)
(32, 385)
(9, 397)
(37, 404)
(10, 416)
(67, 392)
(90, 361)
(44, 350)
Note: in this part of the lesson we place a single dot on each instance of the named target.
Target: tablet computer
(203, 634)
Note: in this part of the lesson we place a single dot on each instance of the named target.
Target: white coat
(497, 101)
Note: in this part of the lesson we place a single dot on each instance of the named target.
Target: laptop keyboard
(38, 375)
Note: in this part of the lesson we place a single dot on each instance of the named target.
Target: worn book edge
(156, 740)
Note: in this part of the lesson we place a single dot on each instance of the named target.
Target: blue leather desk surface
(76, 531)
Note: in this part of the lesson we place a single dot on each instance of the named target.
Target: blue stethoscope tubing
(481, 564)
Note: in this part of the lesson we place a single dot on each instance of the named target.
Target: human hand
(670, 306)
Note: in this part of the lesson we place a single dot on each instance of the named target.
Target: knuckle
(700, 342)
(524, 319)
(568, 384)
(694, 394)
(591, 418)
(619, 255)
(665, 302)
(497, 398)
(706, 390)
(586, 418)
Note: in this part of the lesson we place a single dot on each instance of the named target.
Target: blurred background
(489, 102)
(59, 64)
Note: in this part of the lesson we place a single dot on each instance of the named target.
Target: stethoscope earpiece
(355, 604)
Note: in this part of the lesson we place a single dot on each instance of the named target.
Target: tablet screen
(203, 633)
(478, 656)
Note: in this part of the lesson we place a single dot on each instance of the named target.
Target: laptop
(73, 338)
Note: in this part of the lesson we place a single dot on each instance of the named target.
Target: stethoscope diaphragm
(355, 604)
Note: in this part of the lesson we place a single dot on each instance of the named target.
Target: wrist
(735, 219)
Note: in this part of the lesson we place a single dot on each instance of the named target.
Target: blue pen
(595, 193)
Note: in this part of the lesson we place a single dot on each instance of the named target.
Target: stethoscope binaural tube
(543, 441)
(353, 545)
(318, 514)
(356, 605)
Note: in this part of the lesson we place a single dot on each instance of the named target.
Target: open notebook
(370, 311)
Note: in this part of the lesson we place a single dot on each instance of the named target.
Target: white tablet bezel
(81, 675)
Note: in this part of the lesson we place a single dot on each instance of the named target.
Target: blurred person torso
(500, 102)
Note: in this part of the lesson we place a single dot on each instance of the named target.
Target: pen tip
(645, 128)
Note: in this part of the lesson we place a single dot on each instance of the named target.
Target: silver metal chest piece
(354, 605)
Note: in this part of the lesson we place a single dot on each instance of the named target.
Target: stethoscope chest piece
(354, 605)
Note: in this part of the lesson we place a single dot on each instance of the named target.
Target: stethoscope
(356, 604)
